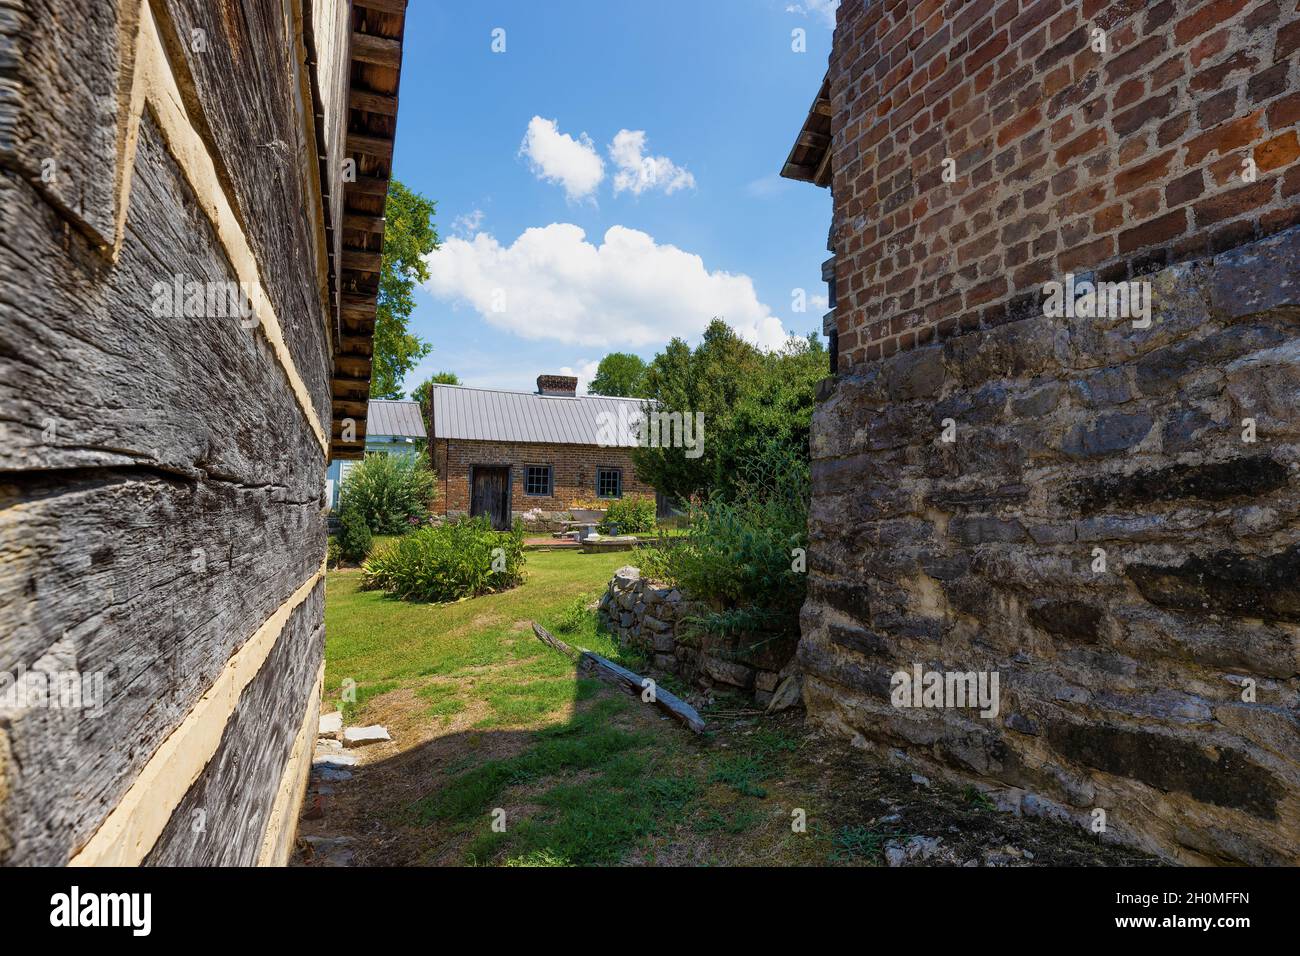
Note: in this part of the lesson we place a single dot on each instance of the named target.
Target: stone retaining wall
(654, 617)
(1114, 530)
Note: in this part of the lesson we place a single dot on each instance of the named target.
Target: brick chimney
(557, 385)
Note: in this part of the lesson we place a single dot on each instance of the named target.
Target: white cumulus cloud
(584, 373)
(629, 290)
(638, 172)
(559, 158)
(822, 9)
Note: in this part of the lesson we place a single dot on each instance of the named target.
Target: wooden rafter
(809, 159)
(376, 61)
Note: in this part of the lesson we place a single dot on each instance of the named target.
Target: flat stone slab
(330, 724)
(364, 736)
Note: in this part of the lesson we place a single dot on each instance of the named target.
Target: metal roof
(402, 419)
(484, 414)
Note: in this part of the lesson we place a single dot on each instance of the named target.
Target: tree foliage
(752, 401)
(424, 390)
(409, 236)
(621, 374)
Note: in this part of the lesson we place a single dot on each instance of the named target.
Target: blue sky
(610, 180)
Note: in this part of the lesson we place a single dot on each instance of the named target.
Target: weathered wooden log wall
(162, 469)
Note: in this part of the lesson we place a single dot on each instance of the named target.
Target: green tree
(621, 374)
(409, 236)
(752, 401)
(424, 390)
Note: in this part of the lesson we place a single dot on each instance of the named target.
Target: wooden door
(490, 495)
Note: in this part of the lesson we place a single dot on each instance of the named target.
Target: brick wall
(573, 472)
(1105, 514)
(1067, 159)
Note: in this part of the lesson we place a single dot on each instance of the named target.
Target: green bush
(391, 492)
(743, 554)
(629, 516)
(333, 553)
(448, 562)
(354, 536)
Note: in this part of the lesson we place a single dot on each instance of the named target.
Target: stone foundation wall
(653, 617)
(1112, 530)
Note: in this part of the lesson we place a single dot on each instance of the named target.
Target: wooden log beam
(378, 51)
(606, 670)
(352, 366)
(362, 306)
(380, 147)
(368, 186)
(383, 6)
(372, 102)
(350, 408)
(362, 260)
(349, 385)
(356, 345)
(365, 222)
(810, 139)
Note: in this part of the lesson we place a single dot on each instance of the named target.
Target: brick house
(533, 455)
(1101, 509)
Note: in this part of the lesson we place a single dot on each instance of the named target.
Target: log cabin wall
(162, 474)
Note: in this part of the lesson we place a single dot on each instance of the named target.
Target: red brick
(1138, 176)
(986, 292)
(1224, 138)
(1135, 58)
(1207, 18)
(1166, 228)
(1285, 112)
(1019, 126)
(1288, 40)
(1291, 182)
(1108, 219)
(1209, 48)
(1184, 189)
(1086, 256)
(1278, 152)
(1080, 145)
(1129, 92)
(1234, 203)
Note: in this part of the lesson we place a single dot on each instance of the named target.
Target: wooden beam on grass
(590, 662)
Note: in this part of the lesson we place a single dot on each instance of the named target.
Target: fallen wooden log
(604, 669)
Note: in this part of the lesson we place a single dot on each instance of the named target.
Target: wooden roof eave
(375, 53)
(809, 159)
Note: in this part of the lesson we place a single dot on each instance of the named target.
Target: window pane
(609, 483)
(537, 480)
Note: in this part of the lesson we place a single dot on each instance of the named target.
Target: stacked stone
(653, 618)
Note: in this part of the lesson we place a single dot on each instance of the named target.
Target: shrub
(444, 563)
(333, 553)
(740, 555)
(354, 536)
(388, 491)
(629, 516)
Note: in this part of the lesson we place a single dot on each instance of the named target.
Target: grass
(491, 725)
(595, 778)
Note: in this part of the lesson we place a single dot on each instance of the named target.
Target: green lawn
(486, 718)
(600, 772)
